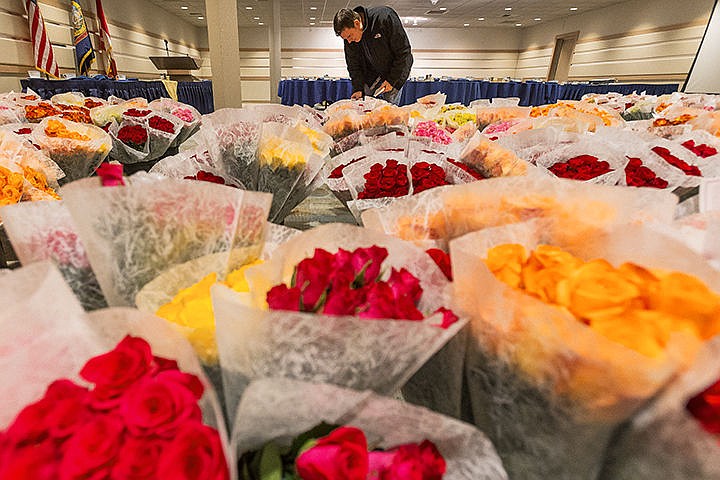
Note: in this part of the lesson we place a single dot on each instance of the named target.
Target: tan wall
(635, 40)
(312, 52)
(137, 29)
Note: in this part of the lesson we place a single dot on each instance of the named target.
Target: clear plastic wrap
(78, 149)
(133, 233)
(124, 152)
(10, 113)
(380, 355)
(41, 231)
(196, 165)
(333, 168)
(547, 389)
(449, 212)
(280, 409)
(489, 115)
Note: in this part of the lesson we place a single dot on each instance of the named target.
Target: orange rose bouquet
(579, 335)
(445, 213)
(371, 437)
(77, 148)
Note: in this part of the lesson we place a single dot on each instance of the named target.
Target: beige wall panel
(10, 83)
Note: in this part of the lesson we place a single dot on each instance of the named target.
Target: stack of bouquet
(143, 135)
(25, 173)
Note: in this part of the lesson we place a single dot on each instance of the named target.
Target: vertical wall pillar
(275, 42)
(224, 42)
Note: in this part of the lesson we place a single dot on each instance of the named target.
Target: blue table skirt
(197, 94)
(310, 92)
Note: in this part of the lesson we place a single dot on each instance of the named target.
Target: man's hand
(386, 87)
(356, 96)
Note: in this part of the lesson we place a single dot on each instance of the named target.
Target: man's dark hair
(345, 18)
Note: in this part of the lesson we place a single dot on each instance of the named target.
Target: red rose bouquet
(135, 136)
(329, 327)
(586, 159)
(293, 427)
(677, 436)
(129, 411)
(163, 129)
(377, 180)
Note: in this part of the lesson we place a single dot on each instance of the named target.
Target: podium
(177, 68)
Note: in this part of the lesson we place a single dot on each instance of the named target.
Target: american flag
(42, 48)
(110, 65)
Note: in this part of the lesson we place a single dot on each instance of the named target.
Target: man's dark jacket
(383, 51)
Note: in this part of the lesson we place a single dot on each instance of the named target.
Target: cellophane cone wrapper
(445, 213)
(121, 151)
(133, 233)
(232, 137)
(548, 390)
(278, 409)
(189, 163)
(380, 355)
(586, 146)
(665, 440)
(77, 158)
(45, 231)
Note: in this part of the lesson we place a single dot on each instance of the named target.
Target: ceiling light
(201, 18)
(442, 9)
(256, 18)
(537, 19)
(313, 8)
(518, 24)
(481, 18)
(184, 7)
(312, 18)
(573, 8)
(312, 23)
(507, 9)
(248, 8)
(466, 24)
(261, 23)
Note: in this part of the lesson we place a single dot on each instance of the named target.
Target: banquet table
(197, 94)
(310, 92)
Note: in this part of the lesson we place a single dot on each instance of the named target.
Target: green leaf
(294, 277)
(313, 434)
(271, 467)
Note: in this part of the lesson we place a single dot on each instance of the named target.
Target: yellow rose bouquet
(571, 338)
(288, 164)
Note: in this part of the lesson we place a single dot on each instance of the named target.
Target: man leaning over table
(377, 51)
